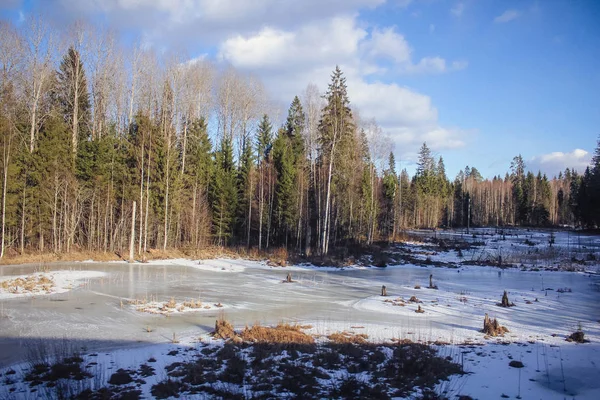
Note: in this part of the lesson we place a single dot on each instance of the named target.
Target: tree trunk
(132, 239)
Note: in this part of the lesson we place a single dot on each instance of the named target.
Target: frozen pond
(96, 311)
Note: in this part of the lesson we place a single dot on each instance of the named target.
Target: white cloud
(322, 43)
(290, 59)
(207, 21)
(557, 161)
(458, 9)
(507, 16)
(388, 43)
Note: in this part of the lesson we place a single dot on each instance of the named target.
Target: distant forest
(92, 133)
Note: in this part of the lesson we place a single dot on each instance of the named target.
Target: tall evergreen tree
(263, 149)
(335, 127)
(224, 194)
(71, 93)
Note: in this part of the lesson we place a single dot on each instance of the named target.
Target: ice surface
(91, 312)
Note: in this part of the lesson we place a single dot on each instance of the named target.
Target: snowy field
(95, 307)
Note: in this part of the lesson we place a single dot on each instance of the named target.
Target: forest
(104, 145)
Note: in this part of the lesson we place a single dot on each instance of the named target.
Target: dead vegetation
(307, 371)
(224, 330)
(396, 302)
(414, 299)
(492, 327)
(348, 337)
(282, 333)
(152, 306)
(29, 284)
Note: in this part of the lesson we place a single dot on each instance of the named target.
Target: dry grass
(413, 299)
(277, 256)
(152, 306)
(224, 330)
(36, 257)
(396, 302)
(30, 284)
(282, 333)
(348, 337)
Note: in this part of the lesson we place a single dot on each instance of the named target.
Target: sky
(479, 81)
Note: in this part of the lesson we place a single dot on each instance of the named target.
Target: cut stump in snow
(505, 302)
(383, 291)
(492, 327)
(288, 278)
(431, 285)
(419, 310)
(578, 337)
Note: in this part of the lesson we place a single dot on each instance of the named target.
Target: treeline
(91, 132)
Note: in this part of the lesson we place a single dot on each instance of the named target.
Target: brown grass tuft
(224, 330)
(348, 337)
(282, 333)
(413, 299)
(30, 284)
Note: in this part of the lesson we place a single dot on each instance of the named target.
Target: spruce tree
(71, 94)
(263, 149)
(335, 127)
(197, 178)
(390, 189)
(245, 189)
(224, 192)
(283, 161)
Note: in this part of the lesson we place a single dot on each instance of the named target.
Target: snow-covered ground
(330, 300)
(525, 248)
(42, 283)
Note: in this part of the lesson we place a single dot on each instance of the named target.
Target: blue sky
(480, 80)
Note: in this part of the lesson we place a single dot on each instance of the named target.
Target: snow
(341, 300)
(62, 282)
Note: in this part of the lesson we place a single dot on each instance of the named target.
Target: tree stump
(492, 327)
(578, 337)
(431, 285)
(419, 310)
(383, 290)
(505, 302)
